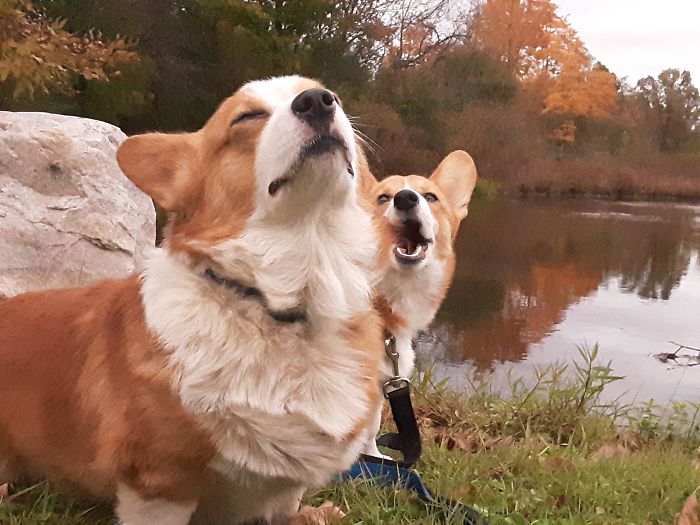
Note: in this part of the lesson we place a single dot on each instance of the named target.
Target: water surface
(538, 278)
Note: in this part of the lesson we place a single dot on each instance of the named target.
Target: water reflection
(525, 266)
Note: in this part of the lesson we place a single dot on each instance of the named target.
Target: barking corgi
(244, 355)
(419, 218)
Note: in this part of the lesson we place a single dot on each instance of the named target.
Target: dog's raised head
(262, 189)
(423, 214)
(273, 141)
(420, 218)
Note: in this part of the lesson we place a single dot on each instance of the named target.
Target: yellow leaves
(689, 513)
(514, 29)
(38, 54)
(580, 92)
(547, 54)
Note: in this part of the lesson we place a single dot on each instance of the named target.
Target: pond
(538, 278)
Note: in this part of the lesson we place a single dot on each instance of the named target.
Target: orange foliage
(514, 29)
(589, 93)
(577, 87)
(547, 54)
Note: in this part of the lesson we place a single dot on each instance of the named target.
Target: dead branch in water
(690, 360)
(683, 347)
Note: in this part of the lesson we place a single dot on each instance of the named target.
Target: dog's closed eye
(249, 115)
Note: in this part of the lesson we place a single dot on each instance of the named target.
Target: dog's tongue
(411, 236)
(410, 247)
(407, 247)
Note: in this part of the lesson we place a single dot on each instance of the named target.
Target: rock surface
(68, 215)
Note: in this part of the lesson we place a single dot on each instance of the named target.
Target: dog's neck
(413, 296)
(322, 264)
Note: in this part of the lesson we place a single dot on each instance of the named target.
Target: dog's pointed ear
(161, 165)
(456, 178)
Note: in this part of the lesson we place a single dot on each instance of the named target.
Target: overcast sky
(636, 38)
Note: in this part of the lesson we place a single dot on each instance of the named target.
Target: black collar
(282, 316)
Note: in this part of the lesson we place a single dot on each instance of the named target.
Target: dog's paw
(326, 514)
(372, 450)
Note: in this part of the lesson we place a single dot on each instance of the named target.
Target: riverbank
(670, 177)
(548, 453)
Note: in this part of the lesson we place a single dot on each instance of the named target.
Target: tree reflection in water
(522, 265)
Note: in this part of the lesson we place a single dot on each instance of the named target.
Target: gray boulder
(68, 215)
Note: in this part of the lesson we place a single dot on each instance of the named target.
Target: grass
(550, 451)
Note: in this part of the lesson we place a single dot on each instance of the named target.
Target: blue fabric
(390, 474)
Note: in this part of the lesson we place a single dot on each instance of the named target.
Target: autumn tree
(513, 30)
(671, 105)
(546, 53)
(39, 54)
(579, 86)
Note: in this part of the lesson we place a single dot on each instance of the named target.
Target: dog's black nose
(314, 105)
(405, 200)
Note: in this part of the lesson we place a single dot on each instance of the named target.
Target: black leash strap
(390, 473)
(398, 391)
(407, 439)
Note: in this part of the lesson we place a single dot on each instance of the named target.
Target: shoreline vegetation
(607, 178)
(548, 451)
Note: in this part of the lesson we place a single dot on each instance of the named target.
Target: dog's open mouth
(318, 146)
(411, 247)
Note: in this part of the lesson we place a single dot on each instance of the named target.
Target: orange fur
(86, 392)
(446, 211)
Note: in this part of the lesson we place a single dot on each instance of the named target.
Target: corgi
(418, 219)
(245, 353)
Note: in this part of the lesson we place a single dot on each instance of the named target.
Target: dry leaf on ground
(324, 515)
(4, 491)
(689, 514)
(555, 463)
(611, 450)
(628, 438)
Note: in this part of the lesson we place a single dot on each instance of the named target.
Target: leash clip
(396, 382)
(391, 353)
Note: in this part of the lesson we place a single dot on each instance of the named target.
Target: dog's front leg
(132, 509)
(372, 429)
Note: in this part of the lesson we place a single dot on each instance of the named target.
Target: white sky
(636, 38)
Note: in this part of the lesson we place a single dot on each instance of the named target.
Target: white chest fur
(279, 399)
(414, 297)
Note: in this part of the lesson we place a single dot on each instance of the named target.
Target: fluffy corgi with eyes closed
(419, 218)
(243, 359)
